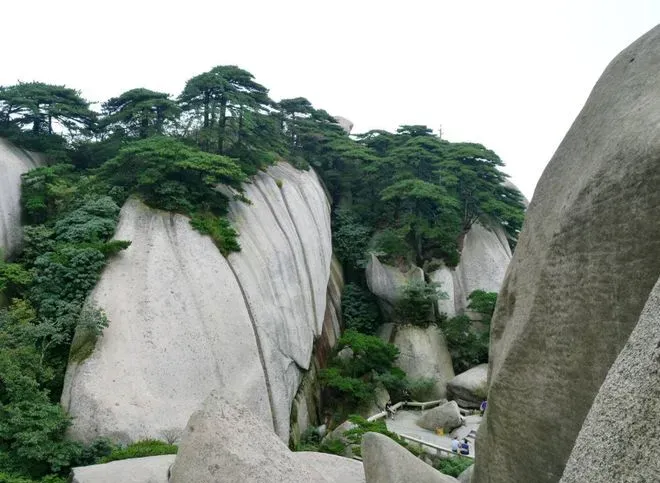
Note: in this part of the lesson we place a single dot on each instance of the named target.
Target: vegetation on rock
(409, 196)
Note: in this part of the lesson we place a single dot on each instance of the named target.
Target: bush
(350, 239)
(140, 449)
(417, 303)
(453, 466)
(219, 229)
(359, 309)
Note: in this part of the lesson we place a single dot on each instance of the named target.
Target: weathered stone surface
(345, 124)
(178, 329)
(385, 461)
(485, 257)
(335, 469)
(283, 269)
(387, 282)
(584, 266)
(153, 469)
(446, 416)
(424, 354)
(224, 442)
(184, 320)
(13, 163)
(469, 388)
(620, 438)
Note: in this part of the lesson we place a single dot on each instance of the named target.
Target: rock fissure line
(309, 275)
(260, 351)
(290, 243)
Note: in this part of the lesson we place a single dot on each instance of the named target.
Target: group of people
(460, 447)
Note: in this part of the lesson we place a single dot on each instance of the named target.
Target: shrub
(359, 309)
(417, 303)
(453, 466)
(350, 239)
(140, 449)
(219, 229)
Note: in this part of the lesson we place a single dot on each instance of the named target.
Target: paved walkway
(405, 422)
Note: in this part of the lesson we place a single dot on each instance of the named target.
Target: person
(484, 405)
(454, 445)
(389, 409)
(465, 447)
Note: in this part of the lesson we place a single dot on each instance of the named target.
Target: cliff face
(185, 321)
(584, 266)
(13, 163)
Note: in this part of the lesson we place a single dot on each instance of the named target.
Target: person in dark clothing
(465, 447)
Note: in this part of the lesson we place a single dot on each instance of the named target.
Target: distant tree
(223, 89)
(139, 112)
(37, 105)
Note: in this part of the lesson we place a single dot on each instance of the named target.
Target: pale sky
(511, 75)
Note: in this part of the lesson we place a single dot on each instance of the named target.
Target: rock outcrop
(424, 354)
(385, 461)
(345, 124)
(154, 469)
(469, 388)
(184, 320)
(484, 260)
(466, 476)
(387, 282)
(446, 416)
(584, 266)
(224, 442)
(13, 163)
(335, 469)
(620, 438)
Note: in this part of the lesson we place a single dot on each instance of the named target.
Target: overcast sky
(509, 74)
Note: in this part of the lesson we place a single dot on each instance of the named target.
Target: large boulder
(154, 469)
(469, 388)
(585, 263)
(345, 124)
(224, 442)
(386, 461)
(446, 416)
(387, 282)
(13, 163)
(484, 260)
(335, 469)
(620, 437)
(184, 320)
(424, 354)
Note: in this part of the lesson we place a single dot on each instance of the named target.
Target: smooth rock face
(385, 461)
(184, 320)
(485, 257)
(469, 388)
(224, 442)
(178, 329)
(13, 162)
(153, 469)
(620, 438)
(446, 416)
(335, 469)
(424, 354)
(584, 266)
(387, 282)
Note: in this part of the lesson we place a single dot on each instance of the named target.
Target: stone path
(404, 422)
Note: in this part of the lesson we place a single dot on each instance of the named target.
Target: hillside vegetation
(410, 196)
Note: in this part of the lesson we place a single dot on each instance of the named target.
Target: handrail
(434, 446)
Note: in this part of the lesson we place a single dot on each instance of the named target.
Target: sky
(511, 75)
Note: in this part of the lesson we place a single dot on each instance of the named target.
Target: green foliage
(47, 191)
(219, 229)
(453, 466)
(468, 345)
(359, 309)
(140, 449)
(417, 303)
(139, 113)
(350, 239)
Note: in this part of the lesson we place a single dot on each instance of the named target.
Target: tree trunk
(222, 123)
(207, 102)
